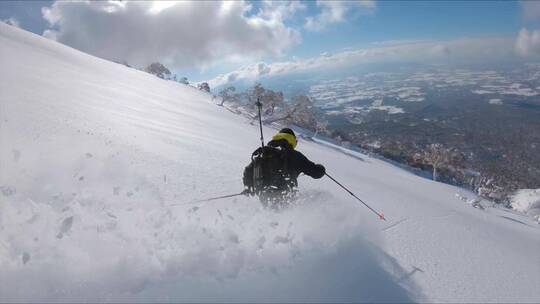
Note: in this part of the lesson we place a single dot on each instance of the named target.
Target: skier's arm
(310, 168)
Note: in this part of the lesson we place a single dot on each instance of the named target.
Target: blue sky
(236, 43)
(406, 20)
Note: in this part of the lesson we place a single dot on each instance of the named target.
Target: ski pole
(259, 106)
(381, 215)
(211, 199)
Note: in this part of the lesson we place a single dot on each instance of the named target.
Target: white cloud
(178, 34)
(12, 21)
(280, 10)
(528, 42)
(530, 10)
(465, 50)
(335, 12)
(262, 68)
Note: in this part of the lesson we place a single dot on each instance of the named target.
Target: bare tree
(436, 155)
(204, 87)
(271, 99)
(300, 111)
(228, 95)
(304, 113)
(158, 69)
(321, 125)
(183, 80)
(255, 93)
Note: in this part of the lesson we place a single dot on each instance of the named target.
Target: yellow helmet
(286, 134)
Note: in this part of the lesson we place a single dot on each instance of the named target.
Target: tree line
(298, 110)
(276, 108)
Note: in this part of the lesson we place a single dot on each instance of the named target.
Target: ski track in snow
(394, 224)
(93, 153)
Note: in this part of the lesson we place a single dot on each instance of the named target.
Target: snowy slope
(92, 154)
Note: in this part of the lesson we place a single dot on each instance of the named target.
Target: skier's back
(274, 169)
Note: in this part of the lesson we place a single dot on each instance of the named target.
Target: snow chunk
(527, 201)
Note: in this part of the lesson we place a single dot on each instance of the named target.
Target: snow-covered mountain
(93, 153)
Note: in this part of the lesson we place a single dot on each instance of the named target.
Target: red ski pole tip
(381, 216)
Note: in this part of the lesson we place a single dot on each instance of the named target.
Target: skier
(274, 169)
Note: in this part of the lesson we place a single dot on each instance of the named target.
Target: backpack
(270, 169)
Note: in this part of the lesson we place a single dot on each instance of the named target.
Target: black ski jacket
(296, 163)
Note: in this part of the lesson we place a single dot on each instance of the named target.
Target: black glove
(321, 169)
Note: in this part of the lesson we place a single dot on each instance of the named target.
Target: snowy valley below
(94, 153)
